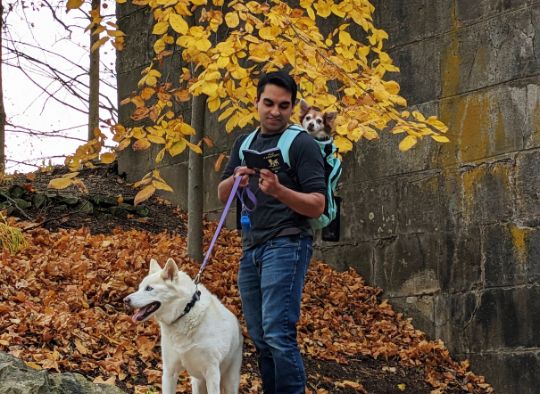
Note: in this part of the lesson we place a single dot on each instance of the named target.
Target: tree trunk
(195, 183)
(2, 109)
(93, 97)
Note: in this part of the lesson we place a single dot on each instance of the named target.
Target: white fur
(207, 341)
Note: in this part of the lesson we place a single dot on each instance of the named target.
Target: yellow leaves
(343, 144)
(99, 43)
(184, 128)
(407, 143)
(144, 194)
(161, 186)
(155, 139)
(440, 138)
(150, 77)
(324, 8)
(269, 33)
(159, 46)
(343, 384)
(108, 158)
(219, 162)
(63, 182)
(178, 147)
(178, 23)
(345, 38)
(160, 28)
(74, 4)
(141, 144)
(232, 20)
(260, 52)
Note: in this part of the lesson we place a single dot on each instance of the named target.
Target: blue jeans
(271, 280)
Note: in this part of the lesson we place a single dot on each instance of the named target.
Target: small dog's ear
(154, 266)
(170, 271)
(330, 118)
(304, 108)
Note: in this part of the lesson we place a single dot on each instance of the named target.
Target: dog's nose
(127, 302)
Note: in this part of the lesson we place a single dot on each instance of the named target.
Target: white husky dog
(198, 333)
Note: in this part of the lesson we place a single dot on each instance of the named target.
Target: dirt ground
(376, 376)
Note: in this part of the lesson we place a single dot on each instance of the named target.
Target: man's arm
(307, 204)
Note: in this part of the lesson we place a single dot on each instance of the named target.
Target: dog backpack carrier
(329, 220)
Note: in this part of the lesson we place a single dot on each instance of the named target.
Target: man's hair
(280, 78)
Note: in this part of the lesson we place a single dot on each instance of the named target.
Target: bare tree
(195, 183)
(93, 97)
(2, 109)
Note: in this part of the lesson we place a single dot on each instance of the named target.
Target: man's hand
(225, 186)
(269, 183)
(307, 204)
(244, 172)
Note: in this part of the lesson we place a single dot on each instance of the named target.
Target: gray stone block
(491, 320)
(505, 255)
(408, 264)
(419, 203)
(513, 372)
(419, 76)
(528, 184)
(532, 108)
(454, 314)
(474, 52)
(460, 269)
(370, 206)
(487, 192)
(420, 309)
(413, 20)
(359, 256)
(468, 12)
(479, 128)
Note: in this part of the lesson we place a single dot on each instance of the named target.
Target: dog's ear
(304, 108)
(154, 266)
(329, 119)
(170, 271)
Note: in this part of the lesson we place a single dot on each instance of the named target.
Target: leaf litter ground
(61, 304)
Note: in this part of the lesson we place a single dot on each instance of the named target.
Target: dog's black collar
(196, 297)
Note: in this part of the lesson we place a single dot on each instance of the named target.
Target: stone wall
(450, 232)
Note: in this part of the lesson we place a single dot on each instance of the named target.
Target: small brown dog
(317, 123)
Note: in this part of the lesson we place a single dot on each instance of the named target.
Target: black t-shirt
(271, 217)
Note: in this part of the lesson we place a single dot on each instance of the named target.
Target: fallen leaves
(61, 309)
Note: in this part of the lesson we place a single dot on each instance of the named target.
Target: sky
(26, 104)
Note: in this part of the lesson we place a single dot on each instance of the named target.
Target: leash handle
(218, 229)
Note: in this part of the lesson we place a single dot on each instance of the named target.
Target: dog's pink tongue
(137, 316)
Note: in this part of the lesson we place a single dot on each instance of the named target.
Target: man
(278, 247)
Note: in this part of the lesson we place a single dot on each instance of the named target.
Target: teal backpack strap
(286, 140)
(246, 144)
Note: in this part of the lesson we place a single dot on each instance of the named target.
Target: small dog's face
(317, 123)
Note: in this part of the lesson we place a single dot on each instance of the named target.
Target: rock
(23, 204)
(142, 210)
(17, 378)
(39, 200)
(85, 207)
(68, 200)
(16, 191)
(103, 201)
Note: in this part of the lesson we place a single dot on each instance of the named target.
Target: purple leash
(218, 229)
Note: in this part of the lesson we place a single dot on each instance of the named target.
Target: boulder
(17, 378)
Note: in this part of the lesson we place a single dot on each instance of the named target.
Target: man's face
(275, 108)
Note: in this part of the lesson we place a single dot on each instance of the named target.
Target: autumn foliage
(224, 47)
(61, 310)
